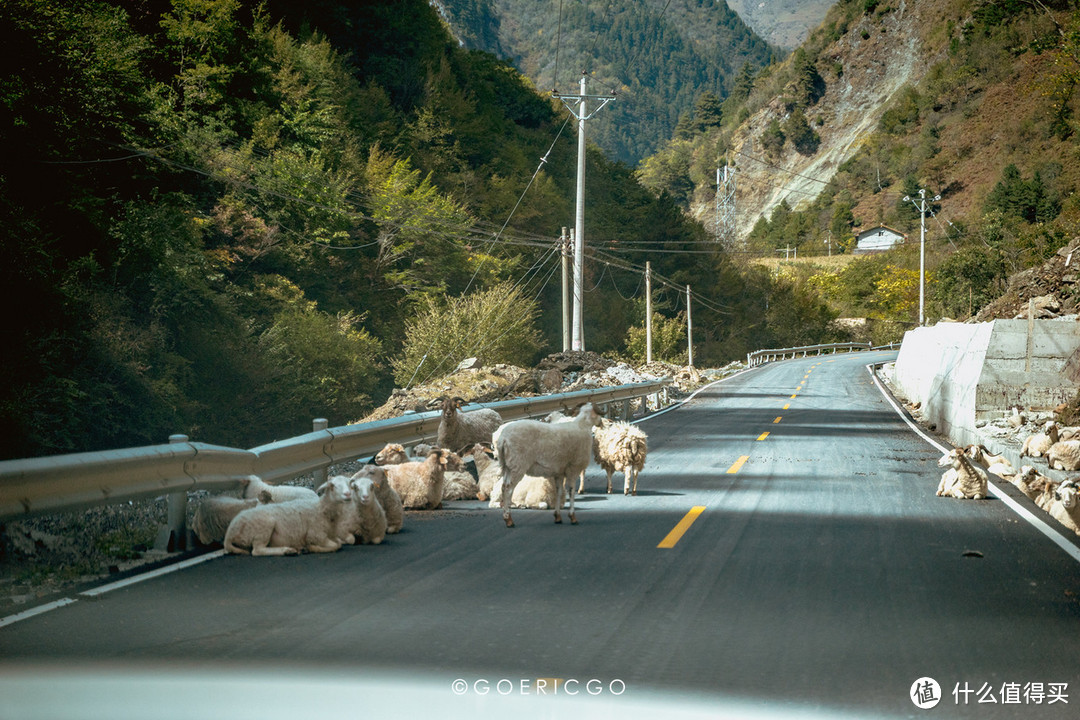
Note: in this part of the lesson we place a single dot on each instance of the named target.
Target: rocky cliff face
(863, 69)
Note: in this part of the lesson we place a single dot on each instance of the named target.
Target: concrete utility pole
(565, 242)
(577, 106)
(689, 332)
(921, 205)
(648, 311)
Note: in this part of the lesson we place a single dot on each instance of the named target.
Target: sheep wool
(213, 515)
(255, 485)
(619, 447)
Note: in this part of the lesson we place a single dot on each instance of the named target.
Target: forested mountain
(658, 56)
(225, 218)
(972, 100)
(785, 23)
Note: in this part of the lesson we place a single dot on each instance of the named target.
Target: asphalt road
(816, 573)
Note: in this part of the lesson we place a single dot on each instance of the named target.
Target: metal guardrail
(761, 357)
(37, 486)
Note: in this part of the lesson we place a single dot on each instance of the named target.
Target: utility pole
(565, 242)
(725, 204)
(922, 205)
(689, 331)
(648, 312)
(576, 104)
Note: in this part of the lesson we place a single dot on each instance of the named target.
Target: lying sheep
(365, 520)
(1065, 507)
(458, 484)
(1029, 482)
(533, 492)
(460, 430)
(387, 496)
(289, 528)
(1064, 455)
(1038, 444)
(487, 470)
(619, 446)
(560, 451)
(213, 515)
(420, 484)
(996, 464)
(962, 480)
(254, 485)
(392, 454)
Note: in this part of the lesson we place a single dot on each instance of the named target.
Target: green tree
(496, 325)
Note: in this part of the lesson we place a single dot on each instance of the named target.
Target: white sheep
(1065, 508)
(460, 430)
(213, 515)
(392, 454)
(962, 480)
(560, 451)
(420, 484)
(487, 471)
(290, 527)
(365, 519)
(386, 494)
(532, 491)
(1064, 455)
(619, 446)
(1025, 481)
(254, 485)
(458, 484)
(996, 464)
(1038, 444)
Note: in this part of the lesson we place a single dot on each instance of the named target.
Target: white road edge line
(1035, 521)
(94, 592)
(26, 614)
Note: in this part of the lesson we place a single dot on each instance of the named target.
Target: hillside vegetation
(657, 57)
(978, 106)
(224, 218)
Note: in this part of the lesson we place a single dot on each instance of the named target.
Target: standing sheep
(559, 450)
(459, 430)
(290, 527)
(387, 496)
(619, 446)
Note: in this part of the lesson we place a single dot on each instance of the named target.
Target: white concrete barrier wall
(962, 373)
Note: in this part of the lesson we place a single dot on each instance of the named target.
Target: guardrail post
(322, 474)
(172, 537)
(626, 410)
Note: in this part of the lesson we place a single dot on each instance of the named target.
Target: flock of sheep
(963, 479)
(523, 463)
